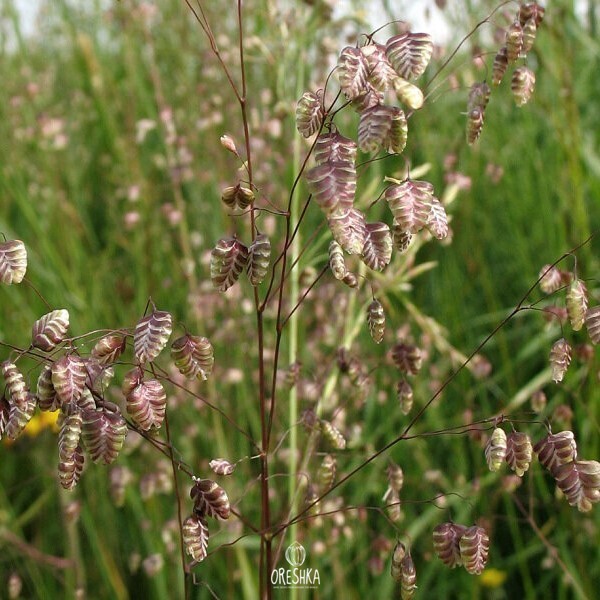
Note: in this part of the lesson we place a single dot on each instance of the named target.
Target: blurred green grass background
(111, 171)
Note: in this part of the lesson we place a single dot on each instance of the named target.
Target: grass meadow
(111, 173)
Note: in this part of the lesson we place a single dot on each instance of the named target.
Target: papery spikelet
(522, 85)
(475, 118)
(395, 476)
(446, 539)
(259, 257)
(408, 358)
(326, 473)
(85, 402)
(309, 114)
(479, 96)
(397, 558)
(369, 98)
(437, 221)
(337, 264)
(237, 196)
(560, 359)
(398, 135)
(408, 93)
(15, 385)
(410, 203)
(108, 349)
(376, 321)
(4, 414)
(518, 452)
(550, 279)
(500, 65)
(69, 435)
(146, 404)
(333, 185)
(349, 229)
(313, 505)
(103, 432)
(377, 251)
(580, 483)
(18, 417)
(221, 466)
(333, 435)
(405, 396)
(556, 449)
(531, 10)
(592, 323)
(381, 74)
(577, 303)
(151, 335)
(50, 330)
(352, 70)
(400, 237)
(514, 41)
(13, 261)
(408, 580)
(227, 260)
(195, 537)
(210, 499)
(71, 468)
(538, 401)
(495, 450)
(409, 53)
(333, 147)
(529, 31)
(98, 376)
(374, 127)
(68, 378)
(474, 547)
(193, 355)
(393, 505)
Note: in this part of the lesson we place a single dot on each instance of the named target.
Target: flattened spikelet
(19, 417)
(408, 358)
(446, 539)
(349, 229)
(337, 264)
(309, 114)
(15, 385)
(409, 53)
(437, 221)
(579, 480)
(50, 330)
(475, 118)
(333, 435)
(193, 355)
(146, 404)
(152, 333)
(108, 349)
(381, 74)
(210, 499)
(377, 250)
(352, 71)
(70, 469)
(13, 261)
(479, 96)
(495, 450)
(522, 85)
(577, 303)
(376, 321)
(333, 185)
(4, 414)
(400, 238)
(474, 547)
(333, 147)
(560, 359)
(68, 378)
(592, 323)
(408, 580)
(397, 557)
(518, 452)
(395, 477)
(398, 135)
(195, 537)
(326, 473)
(410, 203)
(556, 449)
(408, 93)
(550, 279)
(531, 10)
(405, 396)
(103, 432)
(500, 65)
(529, 31)
(514, 41)
(221, 466)
(374, 127)
(259, 257)
(227, 260)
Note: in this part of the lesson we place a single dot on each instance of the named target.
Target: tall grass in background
(111, 172)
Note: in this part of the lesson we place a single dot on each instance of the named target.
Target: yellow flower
(41, 421)
(492, 578)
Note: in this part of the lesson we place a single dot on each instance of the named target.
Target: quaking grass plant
(358, 248)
